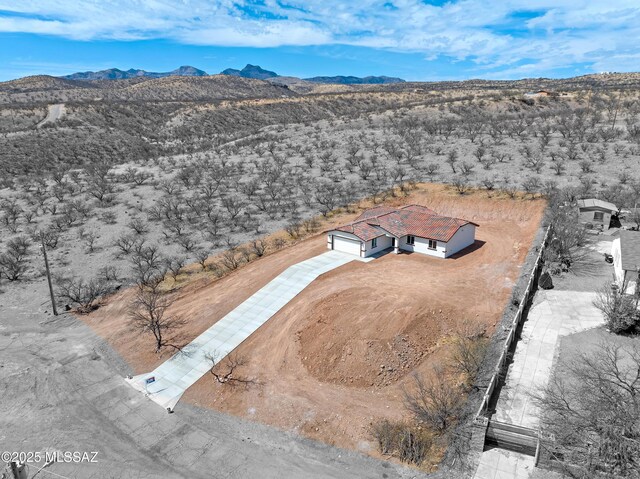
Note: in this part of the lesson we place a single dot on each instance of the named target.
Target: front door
(393, 242)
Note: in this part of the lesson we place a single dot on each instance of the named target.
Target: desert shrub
(467, 355)
(434, 402)
(109, 273)
(259, 247)
(14, 261)
(620, 310)
(409, 443)
(413, 445)
(81, 293)
(230, 259)
(293, 228)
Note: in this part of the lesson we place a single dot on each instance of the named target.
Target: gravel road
(55, 113)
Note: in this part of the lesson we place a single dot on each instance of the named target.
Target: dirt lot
(337, 356)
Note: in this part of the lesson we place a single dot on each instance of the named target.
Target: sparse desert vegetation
(186, 195)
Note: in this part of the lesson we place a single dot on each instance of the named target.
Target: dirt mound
(373, 346)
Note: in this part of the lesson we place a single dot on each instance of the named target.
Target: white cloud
(566, 32)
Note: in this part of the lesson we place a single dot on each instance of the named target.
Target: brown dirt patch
(318, 361)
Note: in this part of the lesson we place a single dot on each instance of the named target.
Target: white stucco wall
(464, 237)
(422, 246)
(384, 242)
(619, 273)
(617, 261)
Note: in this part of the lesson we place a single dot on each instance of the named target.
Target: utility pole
(46, 265)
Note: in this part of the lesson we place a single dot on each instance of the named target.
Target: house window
(374, 243)
(411, 240)
(598, 216)
(433, 244)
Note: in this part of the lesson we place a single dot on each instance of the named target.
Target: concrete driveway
(61, 389)
(555, 314)
(168, 382)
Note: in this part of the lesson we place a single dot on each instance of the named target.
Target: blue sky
(412, 39)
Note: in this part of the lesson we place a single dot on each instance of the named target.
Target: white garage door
(346, 245)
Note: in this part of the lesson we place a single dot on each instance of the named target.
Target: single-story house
(537, 94)
(626, 260)
(409, 228)
(596, 212)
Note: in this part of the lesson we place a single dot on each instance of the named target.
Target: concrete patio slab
(501, 464)
(166, 384)
(558, 314)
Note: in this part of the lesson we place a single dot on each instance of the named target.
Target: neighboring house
(596, 212)
(626, 260)
(537, 94)
(410, 228)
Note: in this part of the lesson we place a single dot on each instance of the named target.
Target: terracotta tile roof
(377, 211)
(412, 220)
(362, 230)
(419, 209)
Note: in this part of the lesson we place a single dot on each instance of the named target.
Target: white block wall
(384, 242)
(464, 237)
(619, 273)
(422, 246)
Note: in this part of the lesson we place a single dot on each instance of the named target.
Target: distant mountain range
(116, 74)
(249, 71)
(349, 80)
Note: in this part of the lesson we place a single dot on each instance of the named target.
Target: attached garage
(346, 245)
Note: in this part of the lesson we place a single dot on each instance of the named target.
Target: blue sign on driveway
(150, 380)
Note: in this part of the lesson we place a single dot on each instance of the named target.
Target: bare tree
(202, 255)
(148, 315)
(452, 159)
(227, 370)
(591, 410)
(14, 261)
